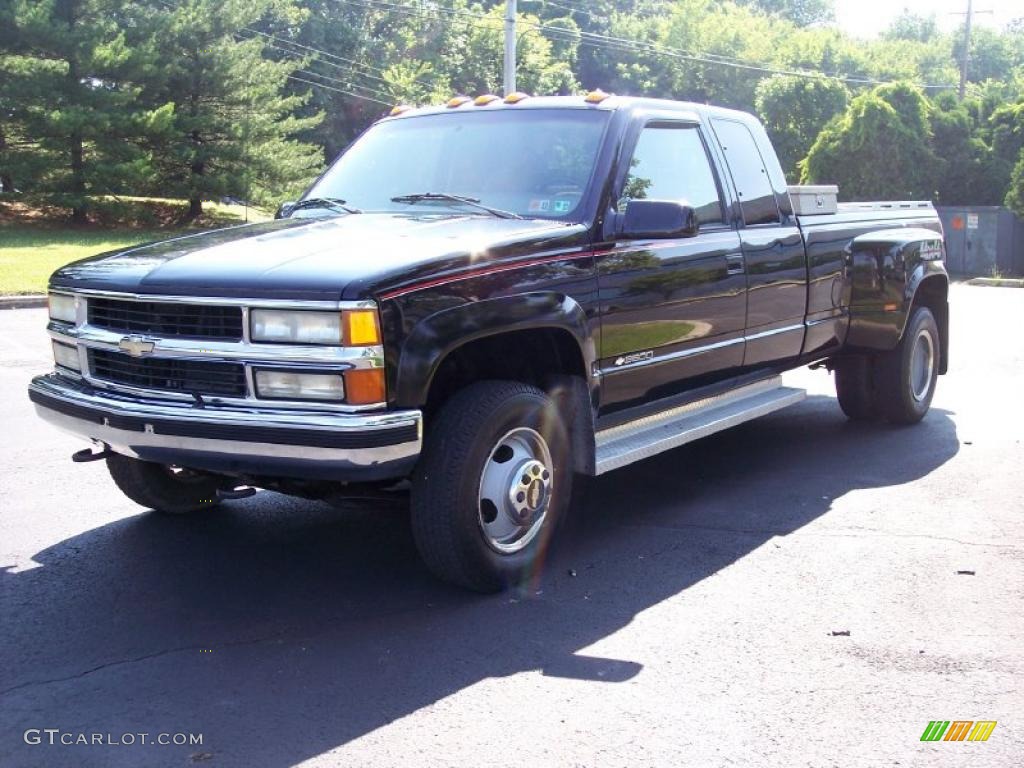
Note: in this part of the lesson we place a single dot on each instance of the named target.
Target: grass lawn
(33, 244)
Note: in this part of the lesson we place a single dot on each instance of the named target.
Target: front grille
(158, 318)
(192, 376)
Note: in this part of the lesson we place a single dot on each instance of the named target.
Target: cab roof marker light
(515, 98)
(484, 99)
(457, 101)
(399, 109)
(596, 96)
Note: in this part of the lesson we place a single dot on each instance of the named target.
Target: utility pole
(966, 59)
(967, 50)
(510, 47)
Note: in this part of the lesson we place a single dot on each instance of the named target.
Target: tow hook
(86, 454)
(227, 494)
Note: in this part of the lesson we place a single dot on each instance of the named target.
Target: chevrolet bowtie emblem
(136, 346)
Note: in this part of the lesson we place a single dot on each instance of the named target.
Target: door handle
(734, 264)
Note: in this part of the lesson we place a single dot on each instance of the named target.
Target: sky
(867, 18)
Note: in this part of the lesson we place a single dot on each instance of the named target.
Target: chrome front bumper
(238, 440)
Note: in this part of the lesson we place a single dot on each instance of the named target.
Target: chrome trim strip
(700, 350)
(674, 355)
(241, 351)
(775, 331)
(226, 301)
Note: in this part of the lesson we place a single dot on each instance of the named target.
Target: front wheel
(168, 490)
(494, 476)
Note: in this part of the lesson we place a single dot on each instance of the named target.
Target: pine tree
(67, 102)
(230, 127)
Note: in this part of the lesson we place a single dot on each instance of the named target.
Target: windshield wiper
(447, 197)
(334, 203)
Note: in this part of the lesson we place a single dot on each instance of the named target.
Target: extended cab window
(757, 198)
(670, 163)
(533, 162)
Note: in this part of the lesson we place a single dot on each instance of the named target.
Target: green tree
(226, 127)
(794, 111)
(800, 12)
(965, 161)
(69, 107)
(878, 149)
(475, 64)
(1015, 195)
(914, 27)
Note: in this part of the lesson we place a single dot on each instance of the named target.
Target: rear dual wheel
(493, 479)
(897, 386)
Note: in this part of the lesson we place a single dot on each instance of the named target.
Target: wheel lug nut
(520, 497)
(525, 479)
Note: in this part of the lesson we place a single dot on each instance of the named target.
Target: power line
(339, 90)
(329, 55)
(345, 91)
(611, 42)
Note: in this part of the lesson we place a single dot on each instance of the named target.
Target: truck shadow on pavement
(281, 629)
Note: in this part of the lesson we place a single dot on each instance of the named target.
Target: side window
(757, 198)
(670, 163)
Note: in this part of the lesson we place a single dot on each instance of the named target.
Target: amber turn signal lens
(361, 328)
(364, 386)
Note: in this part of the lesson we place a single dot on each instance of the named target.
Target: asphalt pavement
(798, 591)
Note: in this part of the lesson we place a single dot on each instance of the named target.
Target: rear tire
(898, 385)
(163, 489)
(855, 388)
(906, 376)
(494, 477)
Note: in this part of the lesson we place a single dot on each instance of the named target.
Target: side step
(640, 439)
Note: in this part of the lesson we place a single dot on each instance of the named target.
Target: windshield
(535, 163)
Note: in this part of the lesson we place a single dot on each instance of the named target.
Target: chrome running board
(648, 436)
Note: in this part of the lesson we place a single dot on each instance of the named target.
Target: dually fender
(890, 270)
(437, 336)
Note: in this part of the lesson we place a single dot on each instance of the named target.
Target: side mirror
(658, 218)
(284, 210)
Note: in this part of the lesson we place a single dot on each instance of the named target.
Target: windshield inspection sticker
(562, 206)
(540, 206)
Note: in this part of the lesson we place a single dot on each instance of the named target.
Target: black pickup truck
(481, 301)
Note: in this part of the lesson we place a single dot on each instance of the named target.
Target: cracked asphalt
(692, 613)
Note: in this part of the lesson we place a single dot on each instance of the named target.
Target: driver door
(673, 310)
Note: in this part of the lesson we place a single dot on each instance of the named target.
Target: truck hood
(329, 258)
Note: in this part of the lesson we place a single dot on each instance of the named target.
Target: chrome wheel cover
(922, 366)
(515, 490)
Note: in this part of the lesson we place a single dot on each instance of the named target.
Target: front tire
(494, 477)
(162, 488)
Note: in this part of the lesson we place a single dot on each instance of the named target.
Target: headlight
(62, 307)
(350, 327)
(296, 327)
(66, 355)
(292, 385)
